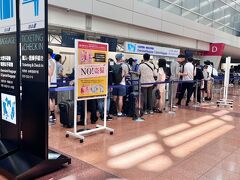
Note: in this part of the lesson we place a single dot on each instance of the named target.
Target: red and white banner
(214, 54)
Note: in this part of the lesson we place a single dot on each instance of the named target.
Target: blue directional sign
(36, 5)
(6, 9)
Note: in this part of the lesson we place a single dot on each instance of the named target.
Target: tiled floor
(192, 144)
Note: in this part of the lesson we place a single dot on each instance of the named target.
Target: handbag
(157, 94)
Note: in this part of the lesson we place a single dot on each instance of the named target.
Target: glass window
(206, 8)
(154, 3)
(218, 13)
(223, 15)
(190, 15)
(218, 26)
(228, 30)
(170, 7)
(205, 21)
(178, 2)
(192, 5)
(230, 16)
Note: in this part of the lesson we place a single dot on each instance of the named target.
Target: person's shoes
(151, 112)
(51, 121)
(178, 104)
(145, 113)
(53, 117)
(93, 122)
(81, 123)
(102, 117)
(187, 104)
(121, 114)
(157, 111)
(109, 118)
(207, 99)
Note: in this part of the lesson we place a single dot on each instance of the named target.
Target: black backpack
(117, 73)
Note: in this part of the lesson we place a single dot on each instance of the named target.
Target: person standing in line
(188, 75)
(52, 81)
(101, 101)
(162, 64)
(59, 66)
(147, 73)
(200, 80)
(206, 79)
(120, 69)
(175, 70)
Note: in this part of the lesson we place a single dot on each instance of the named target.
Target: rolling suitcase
(67, 113)
(131, 104)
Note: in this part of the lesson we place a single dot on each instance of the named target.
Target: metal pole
(139, 118)
(85, 117)
(105, 112)
(196, 94)
(171, 99)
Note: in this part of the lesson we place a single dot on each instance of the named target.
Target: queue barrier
(170, 82)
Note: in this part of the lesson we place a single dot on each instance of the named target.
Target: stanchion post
(139, 118)
(171, 99)
(105, 112)
(196, 94)
(85, 117)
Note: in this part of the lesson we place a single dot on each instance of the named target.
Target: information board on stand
(9, 76)
(92, 69)
(91, 81)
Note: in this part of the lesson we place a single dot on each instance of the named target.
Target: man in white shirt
(188, 74)
(52, 80)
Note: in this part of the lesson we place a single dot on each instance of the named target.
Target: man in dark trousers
(200, 80)
(187, 84)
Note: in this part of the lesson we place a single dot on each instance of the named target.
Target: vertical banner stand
(225, 101)
(33, 158)
(9, 79)
(91, 82)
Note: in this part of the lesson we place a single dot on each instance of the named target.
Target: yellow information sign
(91, 69)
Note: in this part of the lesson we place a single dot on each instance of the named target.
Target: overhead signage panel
(136, 48)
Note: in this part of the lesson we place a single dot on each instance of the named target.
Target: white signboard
(152, 50)
(7, 16)
(32, 14)
(8, 104)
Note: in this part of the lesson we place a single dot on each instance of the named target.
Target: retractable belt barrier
(63, 86)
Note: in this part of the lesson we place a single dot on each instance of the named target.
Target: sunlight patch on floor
(157, 164)
(129, 145)
(174, 129)
(191, 146)
(187, 135)
(201, 119)
(135, 157)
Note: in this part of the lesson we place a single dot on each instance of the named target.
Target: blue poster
(8, 104)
